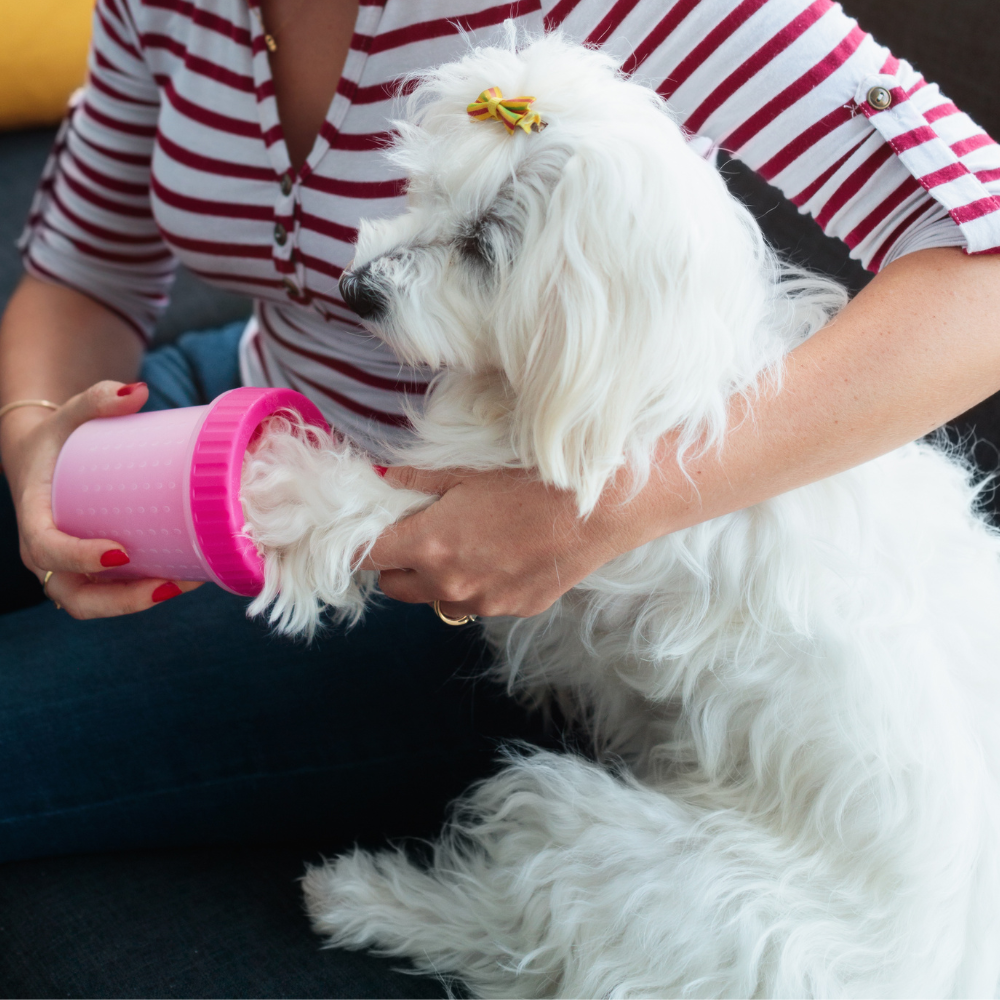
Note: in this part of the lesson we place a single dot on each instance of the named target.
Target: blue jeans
(190, 724)
(193, 370)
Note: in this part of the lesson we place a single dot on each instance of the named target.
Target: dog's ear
(633, 311)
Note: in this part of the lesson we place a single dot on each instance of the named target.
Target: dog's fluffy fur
(802, 697)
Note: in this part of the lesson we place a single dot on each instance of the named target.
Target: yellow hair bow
(514, 112)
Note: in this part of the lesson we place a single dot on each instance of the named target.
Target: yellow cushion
(43, 58)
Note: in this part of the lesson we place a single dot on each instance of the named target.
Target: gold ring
(45, 583)
(464, 620)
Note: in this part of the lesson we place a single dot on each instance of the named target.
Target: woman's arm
(90, 228)
(918, 346)
(55, 344)
(785, 86)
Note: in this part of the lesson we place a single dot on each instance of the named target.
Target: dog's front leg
(314, 506)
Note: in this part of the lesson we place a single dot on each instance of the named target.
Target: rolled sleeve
(91, 226)
(784, 86)
(946, 153)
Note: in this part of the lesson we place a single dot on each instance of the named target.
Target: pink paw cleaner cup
(166, 486)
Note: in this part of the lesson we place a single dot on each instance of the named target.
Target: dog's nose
(360, 294)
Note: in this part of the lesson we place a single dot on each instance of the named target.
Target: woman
(245, 141)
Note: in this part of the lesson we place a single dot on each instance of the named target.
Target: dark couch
(228, 922)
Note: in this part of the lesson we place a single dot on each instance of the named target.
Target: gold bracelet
(4, 410)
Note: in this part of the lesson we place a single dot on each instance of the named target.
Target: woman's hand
(32, 438)
(501, 542)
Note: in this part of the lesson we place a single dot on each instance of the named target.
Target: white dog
(803, 698)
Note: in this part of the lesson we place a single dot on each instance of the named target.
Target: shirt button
(286, 185)
(879, 98)
(293, 290)
(280, 234)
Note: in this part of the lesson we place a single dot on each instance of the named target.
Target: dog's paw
(375, 901)
(314, 507)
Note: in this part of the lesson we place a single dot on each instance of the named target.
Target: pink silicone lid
(215, 474)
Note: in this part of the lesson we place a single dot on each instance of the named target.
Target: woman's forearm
(917, 347)
(920, 345)
(55, 342)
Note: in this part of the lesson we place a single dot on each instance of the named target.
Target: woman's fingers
(408, 586)
(395, 549)
(414, 588)
(103, 399)
(416, 566)
(83, 597)
(44, 546)
(422, 480)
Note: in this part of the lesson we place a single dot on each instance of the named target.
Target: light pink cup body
(166, 486)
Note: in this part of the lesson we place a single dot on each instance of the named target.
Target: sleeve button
(879, 98)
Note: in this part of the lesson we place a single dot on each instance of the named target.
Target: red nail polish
(381, 470)
(127, 390)
(165, 591)
(114, 557)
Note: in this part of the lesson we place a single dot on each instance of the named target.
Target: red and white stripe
(174, 150)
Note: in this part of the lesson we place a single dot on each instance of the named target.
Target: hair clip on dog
(514, 112)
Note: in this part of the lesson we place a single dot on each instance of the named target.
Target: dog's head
(598, 266)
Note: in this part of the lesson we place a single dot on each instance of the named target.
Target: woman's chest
(224, 192)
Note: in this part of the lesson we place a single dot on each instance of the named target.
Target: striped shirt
(174, 151)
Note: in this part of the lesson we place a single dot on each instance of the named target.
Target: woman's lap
(190, 724)
(194, 369)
